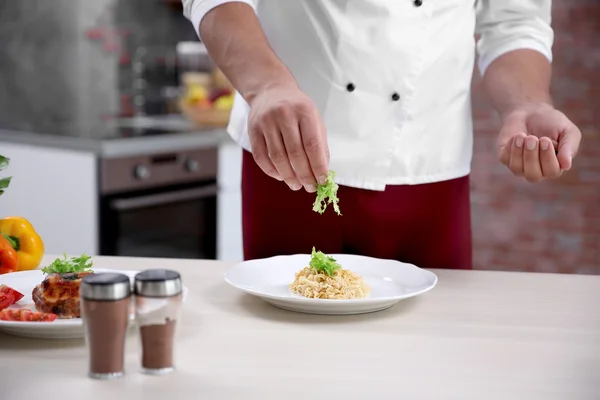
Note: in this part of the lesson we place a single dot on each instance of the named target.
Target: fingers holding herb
(279, 157)
(287, 137)
(298, 159)
(314, 141)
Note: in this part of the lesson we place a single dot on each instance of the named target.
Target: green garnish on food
(4, 182)
(66, 265)
(327, 194)
(323, 263)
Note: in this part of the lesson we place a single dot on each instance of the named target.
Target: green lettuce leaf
(66, 265)
(327, 194)
(323, 263)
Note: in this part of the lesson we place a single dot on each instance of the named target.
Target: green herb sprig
(327, 194)
(68, 265)
(4, 182)
(323, 263)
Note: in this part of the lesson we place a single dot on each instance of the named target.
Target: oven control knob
(191, 165)
(141, 172)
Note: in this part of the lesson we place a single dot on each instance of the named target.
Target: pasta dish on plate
(324, 278)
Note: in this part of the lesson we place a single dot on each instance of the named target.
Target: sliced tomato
(25, 315)
(41, 317)
(9, 315)
(8, 290)
(6, 300)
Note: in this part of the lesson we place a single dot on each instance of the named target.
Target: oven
(159, 205)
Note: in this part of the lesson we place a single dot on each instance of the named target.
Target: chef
(379, 92)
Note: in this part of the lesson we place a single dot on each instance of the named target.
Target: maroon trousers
(428, 225)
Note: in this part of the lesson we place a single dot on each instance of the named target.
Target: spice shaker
(105, 310)
(158, 296)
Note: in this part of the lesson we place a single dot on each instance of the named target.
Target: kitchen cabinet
(229, 203)
(55, 189)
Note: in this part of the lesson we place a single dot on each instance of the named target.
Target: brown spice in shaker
(157, 345)
(106, 319)
(158, 296)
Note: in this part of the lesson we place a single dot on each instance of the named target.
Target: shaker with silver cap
(105, 310)
(158, 296)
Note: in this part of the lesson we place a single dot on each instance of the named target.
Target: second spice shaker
(158, 295)
(105, 300)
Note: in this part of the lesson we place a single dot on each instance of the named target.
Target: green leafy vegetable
(66, 265)
(327, 194)
(323, 263)
(4, 161)
(4, 182)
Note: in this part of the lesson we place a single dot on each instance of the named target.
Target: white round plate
(390, 281)
(24, 282)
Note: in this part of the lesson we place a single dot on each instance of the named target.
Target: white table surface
(478, 335)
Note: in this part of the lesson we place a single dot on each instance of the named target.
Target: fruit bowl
(207, 101)
(204, 117)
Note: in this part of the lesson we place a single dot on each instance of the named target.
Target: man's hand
(287, 134)
(288, 137)
(537, 142)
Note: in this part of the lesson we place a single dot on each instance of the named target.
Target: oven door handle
(160, 199)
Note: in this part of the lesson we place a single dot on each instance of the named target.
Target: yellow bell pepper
(25, 240)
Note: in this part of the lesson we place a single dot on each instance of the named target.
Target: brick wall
(552, 226)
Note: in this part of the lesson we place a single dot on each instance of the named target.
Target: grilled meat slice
(59, 294)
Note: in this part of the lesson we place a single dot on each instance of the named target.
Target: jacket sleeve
(195, 10)
(507, 25)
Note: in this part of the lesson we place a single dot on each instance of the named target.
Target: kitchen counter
(121, 147)
(478, 335)
(181, 135)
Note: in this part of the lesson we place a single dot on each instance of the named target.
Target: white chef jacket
(391, 78)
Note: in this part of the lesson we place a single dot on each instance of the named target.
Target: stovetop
(121, 133)
(149, 126)
(120, 137)
(115, 129)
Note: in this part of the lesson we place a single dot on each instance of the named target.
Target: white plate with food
(330, 284)
(49, 311)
